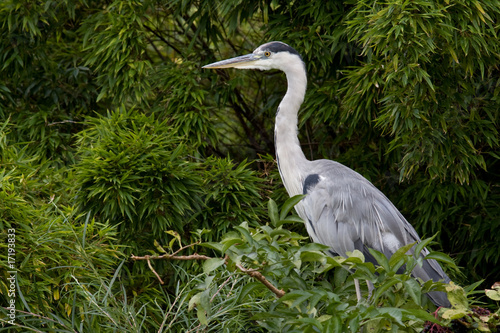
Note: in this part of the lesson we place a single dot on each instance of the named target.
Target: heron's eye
(267, 54)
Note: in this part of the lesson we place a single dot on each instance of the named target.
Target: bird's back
(343, 210)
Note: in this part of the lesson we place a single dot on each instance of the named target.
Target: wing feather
(345, 211)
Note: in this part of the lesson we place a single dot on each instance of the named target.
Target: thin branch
(62, 122)
(152, 43)
(153, 270)
(167, 256)
(220, 288)
(251, 272)
(257, 275)
(163, 39)
(185, 247)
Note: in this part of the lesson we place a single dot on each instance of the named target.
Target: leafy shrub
(316, 292)
(232, 195)
(52, 250)
(135, 174)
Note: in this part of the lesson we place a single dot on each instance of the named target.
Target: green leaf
(333, 325)
(176, 236)
(399, 254)
(452, 314)
(202, 317)
(282, 232)
(442, 257)
(227, 243)
(272, 209)
(295, 297)
(457, 296)
(381, 259)
(355, 256)
(291, 219)
(494, 294)
(243, 229)
(214, 246)
(249, 288)
(420, 246)
(212, 264)
(314, 256)
(194, 301)
(288, 205)
(394, 313)
(414, 290)
(383, 288)
(159, 247)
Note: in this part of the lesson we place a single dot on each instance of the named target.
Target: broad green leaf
(282, 232)
(381, 259)
(457, 296)
(355, 256)
(272, 209)
(494, 294)
(414, 290)
(394, 313)
(383, 288)
(213, 245)
(452, 314)
(289, 204)
(420, 246)
(442, 257)
(194, 301)
(314, 256)
(243, 229)
(202, 317)
(399, 254)
(230, 242)
(212, 264)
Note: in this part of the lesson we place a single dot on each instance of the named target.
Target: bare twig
(167, 256)
(62, 122)
(220, 288)
(185, 247)
(257, 275)
(153, 270)
(251, 272)
(163, 39)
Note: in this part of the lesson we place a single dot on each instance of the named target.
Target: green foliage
(134, 173)
(114, 40)
(419, 51)
(232, 195)
(183, 101)
(51, 252)
(46, 89)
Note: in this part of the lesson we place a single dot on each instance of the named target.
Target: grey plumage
(341, 209)
(346, 212)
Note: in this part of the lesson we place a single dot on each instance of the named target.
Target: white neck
(291, 159)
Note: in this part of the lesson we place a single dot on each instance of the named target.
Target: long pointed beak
(237, 62)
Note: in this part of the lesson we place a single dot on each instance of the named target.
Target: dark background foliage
(114, 141)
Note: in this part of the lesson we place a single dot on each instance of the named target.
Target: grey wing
(345, 211)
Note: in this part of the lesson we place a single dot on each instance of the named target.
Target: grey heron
(341, 208)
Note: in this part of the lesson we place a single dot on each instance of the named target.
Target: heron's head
(272, 55)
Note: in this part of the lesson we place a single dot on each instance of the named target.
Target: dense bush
(133, 172)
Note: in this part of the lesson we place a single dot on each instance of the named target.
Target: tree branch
(251, 272)
(257, 275)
